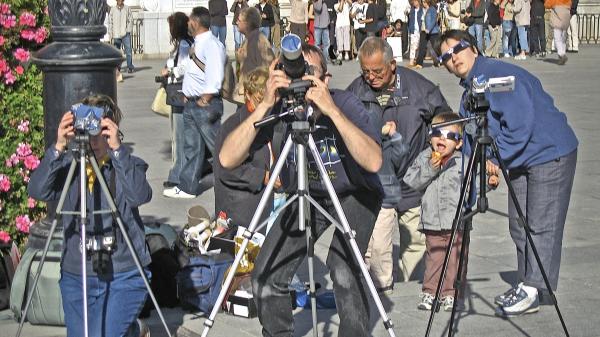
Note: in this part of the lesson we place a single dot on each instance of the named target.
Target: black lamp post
(75, 65)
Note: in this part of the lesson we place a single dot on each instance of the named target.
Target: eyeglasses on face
(445, 133)
(460, 46)
(374, 72)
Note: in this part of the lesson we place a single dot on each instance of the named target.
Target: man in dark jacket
(267, 18)
(539, 149)
(406, 101)
(218, 25)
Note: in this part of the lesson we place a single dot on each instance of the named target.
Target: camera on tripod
(87, 119)
(295, 67)
(476, 101)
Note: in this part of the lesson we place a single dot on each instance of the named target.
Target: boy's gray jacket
(441, 189)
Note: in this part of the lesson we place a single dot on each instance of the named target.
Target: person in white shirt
(204, 106)
(342, 28)
(399, 10)
(358, 13)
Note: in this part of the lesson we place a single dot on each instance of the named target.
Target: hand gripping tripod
(85, 155)
(301, 137)
(482, 140)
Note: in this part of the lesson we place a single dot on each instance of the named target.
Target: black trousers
(537, 35)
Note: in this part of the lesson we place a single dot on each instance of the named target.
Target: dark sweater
(218, 11)
(537, 8)
(269, 20)
(493, 17)
(527, 126)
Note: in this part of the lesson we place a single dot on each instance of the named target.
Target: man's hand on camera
(110, 131)
(320, 96)
(66, 131)
(277, 79)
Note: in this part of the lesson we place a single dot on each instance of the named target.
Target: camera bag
(175, 96)
(7, 272)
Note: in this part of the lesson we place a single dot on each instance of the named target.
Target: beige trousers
(412, 245)
(379, 252)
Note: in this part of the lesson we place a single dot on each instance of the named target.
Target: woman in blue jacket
(429, 33)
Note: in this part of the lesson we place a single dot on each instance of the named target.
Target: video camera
(476, 101)
(87, 118)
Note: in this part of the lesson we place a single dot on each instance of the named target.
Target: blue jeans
(543, 192)
(177, 144)
(200, 127)
(476, 30)
(219, 32)
(113, 305)
(238, 37)
(322, 41)
(523, 40)
(125, 41)
(285, 248)
(266, 31)
(507, 26)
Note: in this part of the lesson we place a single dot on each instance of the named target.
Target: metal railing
(589, 28)
(137, 44)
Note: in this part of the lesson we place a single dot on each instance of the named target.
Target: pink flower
(1, 40)
(21, 54)
(4, 237)
(3, 66)
(27, 19)
(4, 183)
(8, 21)
(23, 174)
(28, 34)
(12, 161)
(23, 150)
(9, 78)
(4, 8)
(31, 162)
(30, 202)
(19, 70)
(24, 125)
(23, 223)
(41, 34)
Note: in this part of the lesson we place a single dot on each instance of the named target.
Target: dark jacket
(415, 101)
(236, 8)
(493, 17)
(269, 20)
(238, 191)
(477, 12)
(217, 10)
(537, 9)
(527, 126)
(418, 12)
(131, 190)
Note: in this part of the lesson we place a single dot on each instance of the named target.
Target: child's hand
(493, 181)
(65, 132)
(110, 131)
(436, 160)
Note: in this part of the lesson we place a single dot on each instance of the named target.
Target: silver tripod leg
(84, 219)
(136, 259)
(59, 212)
(387, 322)
(248, 233)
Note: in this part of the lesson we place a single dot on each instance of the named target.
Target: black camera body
(161, 79)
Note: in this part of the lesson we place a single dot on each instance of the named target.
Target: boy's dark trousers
(537, 35)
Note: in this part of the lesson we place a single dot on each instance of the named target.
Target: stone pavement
(492, 263)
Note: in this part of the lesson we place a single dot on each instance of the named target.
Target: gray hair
(372, 45)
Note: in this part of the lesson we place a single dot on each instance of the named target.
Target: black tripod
(302, 138)
(86, 156)
(482, 140)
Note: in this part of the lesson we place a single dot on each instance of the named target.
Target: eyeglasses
(374, 72)
(446, 134)
(462, 45)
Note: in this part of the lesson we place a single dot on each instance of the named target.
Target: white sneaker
(347, 58)
(175, 192)
(426, 301)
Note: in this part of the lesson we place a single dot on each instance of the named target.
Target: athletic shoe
(144, 330)
(519, 304)
(448, 303)
(520, 57)
(175, 192)
(562, 60)
(426, 301)
(510, 292)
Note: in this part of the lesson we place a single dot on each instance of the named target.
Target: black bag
(7, 272)
(175, 96)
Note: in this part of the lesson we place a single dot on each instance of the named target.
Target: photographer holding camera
(351, 152)
(116, 292)
(539, 149)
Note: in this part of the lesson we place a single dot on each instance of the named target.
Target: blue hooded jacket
(528, 128)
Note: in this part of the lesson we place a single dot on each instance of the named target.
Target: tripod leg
(134, 255)
(461, 276)
(523, 222)
(58, 217)
(208, 323)
(387, 322)
(464, 191)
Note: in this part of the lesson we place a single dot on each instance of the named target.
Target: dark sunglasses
(462, 45)
(446, 134)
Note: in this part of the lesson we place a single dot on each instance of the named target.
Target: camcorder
(476, 101)
(87, 119)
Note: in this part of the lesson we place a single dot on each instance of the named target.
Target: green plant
(23, 30)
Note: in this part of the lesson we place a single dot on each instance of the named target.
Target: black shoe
(130, 70)
(168, 184)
